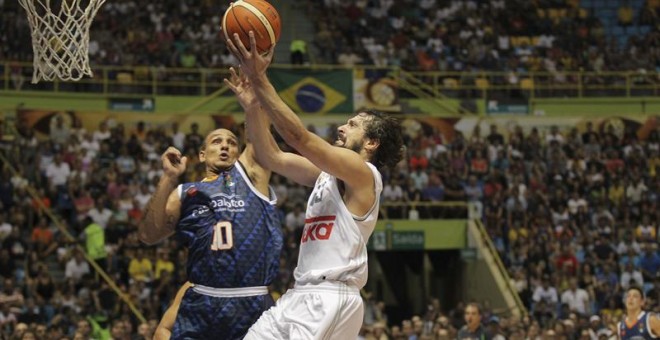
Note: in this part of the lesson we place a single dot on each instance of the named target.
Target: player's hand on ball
(173, 163)
(252, 64)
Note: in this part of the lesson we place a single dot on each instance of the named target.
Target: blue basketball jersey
(233, 234)
(638, 331)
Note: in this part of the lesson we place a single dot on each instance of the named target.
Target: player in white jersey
(341, 211)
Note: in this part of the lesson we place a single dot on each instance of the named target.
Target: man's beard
(357, 147)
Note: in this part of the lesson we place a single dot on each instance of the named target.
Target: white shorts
(329, 310)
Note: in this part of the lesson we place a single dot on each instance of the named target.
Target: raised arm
(342, 163)
(164, 208)
(264, 147)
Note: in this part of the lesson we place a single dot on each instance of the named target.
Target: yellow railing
(152, 80)
(518, 307)
(575, 84)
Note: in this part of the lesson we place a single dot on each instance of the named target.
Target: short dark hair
(637, 288)
(387, 130)
(475, 305)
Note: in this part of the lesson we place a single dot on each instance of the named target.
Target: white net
(60, 37)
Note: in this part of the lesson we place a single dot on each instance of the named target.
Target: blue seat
(623, 41)
(617, 31)
(643, 30)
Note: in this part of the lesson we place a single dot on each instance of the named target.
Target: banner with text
(309, 91)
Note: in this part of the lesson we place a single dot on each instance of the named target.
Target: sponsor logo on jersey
(318, 228)
(222, 202)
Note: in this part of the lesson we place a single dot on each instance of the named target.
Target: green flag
(309, 91)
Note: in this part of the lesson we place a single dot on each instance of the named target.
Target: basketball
(259, 16)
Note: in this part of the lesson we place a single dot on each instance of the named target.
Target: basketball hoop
(60, 37)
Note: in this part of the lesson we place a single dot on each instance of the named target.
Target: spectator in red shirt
(418, 161)
(566, 261)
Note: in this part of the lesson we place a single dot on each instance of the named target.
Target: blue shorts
(208, 317)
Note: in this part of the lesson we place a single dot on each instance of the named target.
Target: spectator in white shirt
(634, 191)
(102, 133)
(631, 276)
(59, 132)
(178, 137)
(546, 292)
(554, 135)
(628, 243)
(144, 195)
(576, 298)
(76, 267)
(90, 144)
(576, 202)
(57, 172)
(100, 214)
(5, 227)
(393, 193)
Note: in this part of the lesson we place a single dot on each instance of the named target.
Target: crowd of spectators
(492, 35)
(572, 213)
(496, 35)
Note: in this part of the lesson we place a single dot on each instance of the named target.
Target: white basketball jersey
(334, 242)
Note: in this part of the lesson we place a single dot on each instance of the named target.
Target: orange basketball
(259, 16)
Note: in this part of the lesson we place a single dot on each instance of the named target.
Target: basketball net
(60, 37)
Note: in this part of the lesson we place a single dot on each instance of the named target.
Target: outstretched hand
(173, 164)
(253, 64)
(240, 85)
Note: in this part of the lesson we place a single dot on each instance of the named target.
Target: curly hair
(387, 130)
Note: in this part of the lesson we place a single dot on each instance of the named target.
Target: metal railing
(573, 84)
(519, 308)
(152, 80)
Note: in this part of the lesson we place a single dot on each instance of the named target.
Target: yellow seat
(527, 84)
(524, 40)
(142, 73)
(124, 78)
(450, 83)
(535, 41)
(482, 83)
(583, 13)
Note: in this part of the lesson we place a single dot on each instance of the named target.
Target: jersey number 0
(223, 237)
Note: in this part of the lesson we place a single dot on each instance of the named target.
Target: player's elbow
(146, 237)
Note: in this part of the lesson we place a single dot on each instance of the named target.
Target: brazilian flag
(312, 91)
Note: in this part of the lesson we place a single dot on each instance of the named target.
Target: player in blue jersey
(638, 324)
(233, 234)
